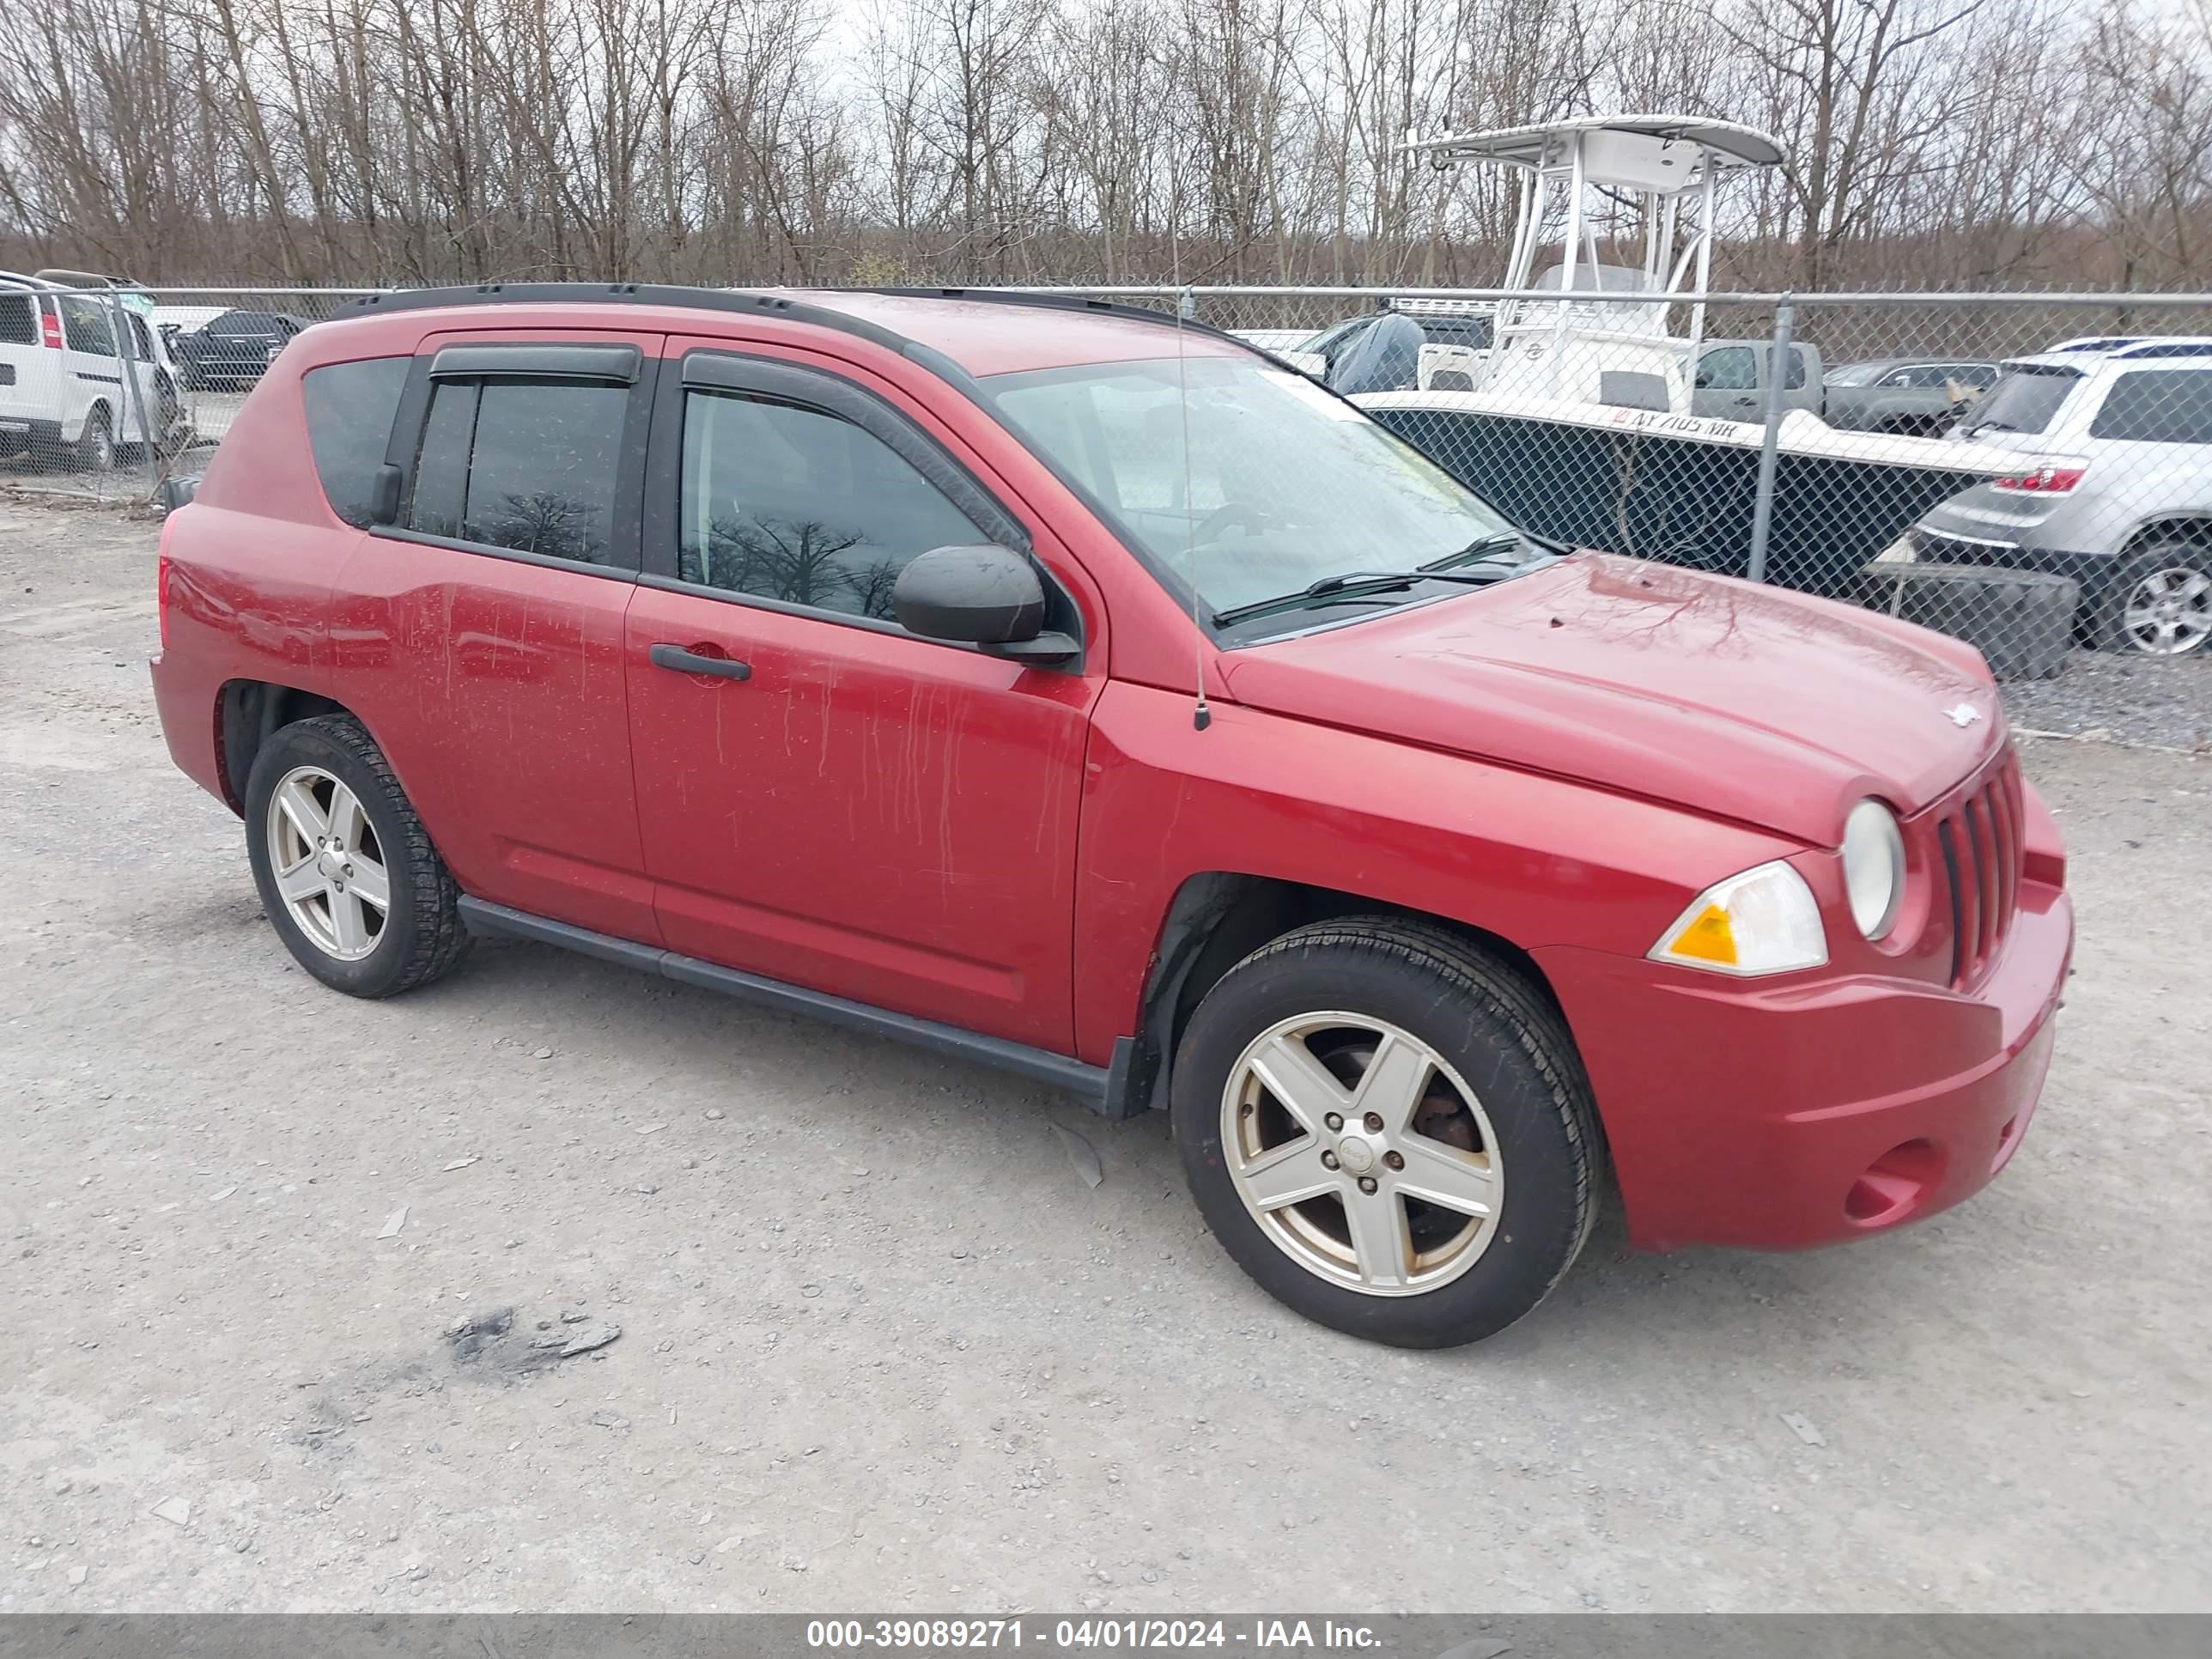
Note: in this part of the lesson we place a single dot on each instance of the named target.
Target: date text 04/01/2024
(954, 1634)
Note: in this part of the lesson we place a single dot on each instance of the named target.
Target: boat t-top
(1646, 185)
(1578, 421)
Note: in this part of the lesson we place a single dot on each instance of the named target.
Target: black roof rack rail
(742, 301)
(778, 303)
(1064, 302)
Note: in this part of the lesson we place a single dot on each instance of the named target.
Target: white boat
(1576, 421)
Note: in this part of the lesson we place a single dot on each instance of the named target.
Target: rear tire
(1332, 1025)
(95, 447)
(346, 872)
(2160, 604)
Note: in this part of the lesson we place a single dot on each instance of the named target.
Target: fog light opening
(1894, 1184)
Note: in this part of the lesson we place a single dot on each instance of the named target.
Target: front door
(825, 798)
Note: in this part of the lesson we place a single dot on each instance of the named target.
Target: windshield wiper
(1484, 549)
(1350, 584)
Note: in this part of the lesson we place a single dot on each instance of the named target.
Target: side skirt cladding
(1107, 1090)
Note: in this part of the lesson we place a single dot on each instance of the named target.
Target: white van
(82, 377)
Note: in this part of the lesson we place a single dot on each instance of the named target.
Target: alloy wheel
(329, 867)
(2169, 612)
(1361, 1154)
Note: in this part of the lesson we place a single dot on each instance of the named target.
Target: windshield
(1284, 484)
(2024, 397)
(1856, 374)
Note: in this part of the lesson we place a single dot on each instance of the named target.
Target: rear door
(480, 635)
(25, 372)
(2149, 449)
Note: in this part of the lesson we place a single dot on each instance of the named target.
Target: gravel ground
(879, 1344)
(2109, 698)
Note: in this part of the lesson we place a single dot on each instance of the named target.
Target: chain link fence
(2032, 473)
(106, 391)
(2029, 472)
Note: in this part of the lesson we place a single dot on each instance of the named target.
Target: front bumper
(1810, 1113)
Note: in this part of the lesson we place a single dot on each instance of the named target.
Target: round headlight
(1873, 867)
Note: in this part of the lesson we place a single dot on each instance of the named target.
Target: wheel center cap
(328, 865)
(1355, 1154)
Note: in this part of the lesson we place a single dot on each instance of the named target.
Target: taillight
(2044, 480)
(49, 329)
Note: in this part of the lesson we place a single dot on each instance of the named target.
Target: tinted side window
(349, 411)
(526, 465)
(1792, 372)
(17, 326)
(86, 324)
(1728, 368)
(788, 504)
(240, 322)
(2158, 406)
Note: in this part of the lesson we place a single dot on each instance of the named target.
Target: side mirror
(988, 596)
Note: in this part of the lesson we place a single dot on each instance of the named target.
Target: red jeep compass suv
(1090, 696)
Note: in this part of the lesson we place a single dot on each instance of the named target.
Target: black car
(232, 349)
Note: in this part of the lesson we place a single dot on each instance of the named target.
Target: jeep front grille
(1980, 859)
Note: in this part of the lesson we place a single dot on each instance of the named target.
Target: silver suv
(2114, 487)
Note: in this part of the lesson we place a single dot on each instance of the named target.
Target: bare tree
(768, 141)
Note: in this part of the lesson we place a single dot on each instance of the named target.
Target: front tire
(1389, 1130)
(346, 872)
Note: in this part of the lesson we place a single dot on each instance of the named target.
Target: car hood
(1752, 703)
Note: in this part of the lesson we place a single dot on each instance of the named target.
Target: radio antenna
(1200, 716)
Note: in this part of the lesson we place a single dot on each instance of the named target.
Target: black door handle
(690, 662)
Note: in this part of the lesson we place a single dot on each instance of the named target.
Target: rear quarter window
(2026, 398)
(350, 408)
(2158, 406)
(17, 326)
